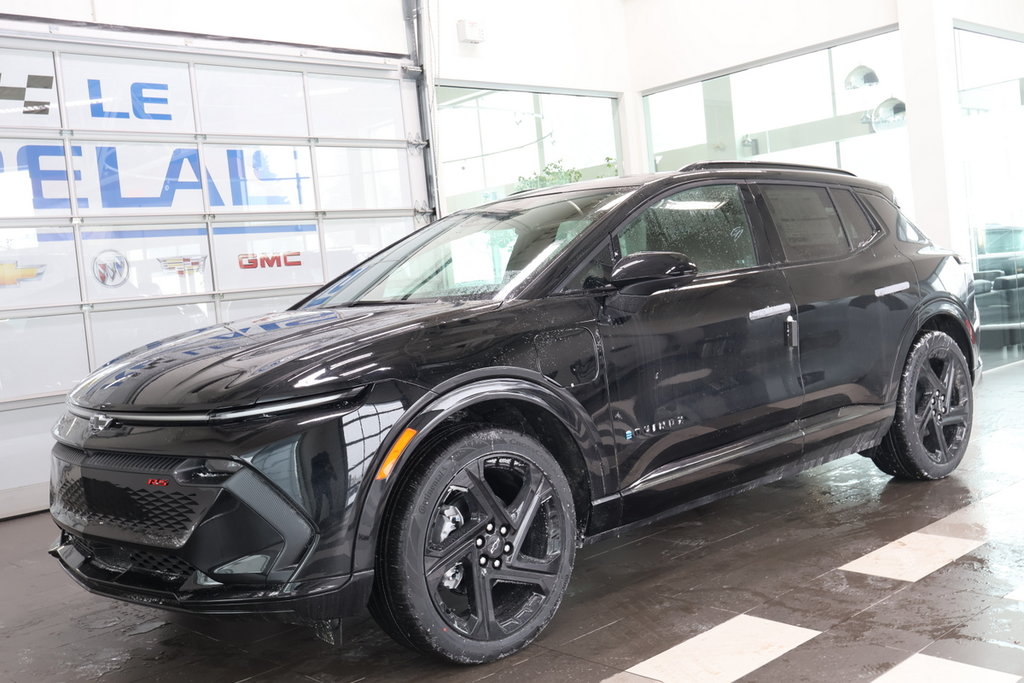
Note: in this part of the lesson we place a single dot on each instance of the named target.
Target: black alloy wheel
(478, 549)
(934, 412)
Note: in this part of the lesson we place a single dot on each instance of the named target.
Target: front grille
(115, 558)
(169, 515)
(106, 493)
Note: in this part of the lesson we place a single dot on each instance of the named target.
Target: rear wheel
(478, 549)
(934, 411)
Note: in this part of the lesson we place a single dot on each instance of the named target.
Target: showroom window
(148, 192)
(990, 72)
(842, 106)
(492, 143)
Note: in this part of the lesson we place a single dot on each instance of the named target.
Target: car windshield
(483, 253)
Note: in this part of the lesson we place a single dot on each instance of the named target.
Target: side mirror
(646, 271)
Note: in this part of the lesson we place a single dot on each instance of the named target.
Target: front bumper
(198, 534)
(305, 602)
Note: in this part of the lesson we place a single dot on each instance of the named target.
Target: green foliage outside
(557, 174)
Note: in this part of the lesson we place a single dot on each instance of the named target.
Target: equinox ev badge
(647, 430)
(99, 422)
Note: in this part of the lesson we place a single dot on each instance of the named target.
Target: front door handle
(792, 332)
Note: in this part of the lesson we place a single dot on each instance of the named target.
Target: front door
(704, 389)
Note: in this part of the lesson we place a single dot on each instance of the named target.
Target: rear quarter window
(891, 217)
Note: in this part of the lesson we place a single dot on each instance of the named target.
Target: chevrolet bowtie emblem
(11, 273)
(99, 422)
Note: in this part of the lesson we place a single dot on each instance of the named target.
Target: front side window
(708, 224)
(807, 222)
(483, 253)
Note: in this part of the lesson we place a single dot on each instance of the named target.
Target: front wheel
(934, 411)
(477, 551)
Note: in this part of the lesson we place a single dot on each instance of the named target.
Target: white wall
(677, 40)
(375, 25)
(1003, 15)
(574, 44)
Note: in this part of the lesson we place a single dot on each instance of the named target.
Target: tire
(934, 411)
(449, 582)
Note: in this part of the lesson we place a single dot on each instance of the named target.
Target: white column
(633, 134)
(933, 116)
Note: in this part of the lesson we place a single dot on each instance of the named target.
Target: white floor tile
(920, 668)
(912, 557)
(1016, 594)
(726, 652)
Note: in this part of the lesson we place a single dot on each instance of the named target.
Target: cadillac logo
(183, 264)
(110, 268)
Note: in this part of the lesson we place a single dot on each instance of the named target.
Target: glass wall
(990, 73)
(147, 193)
(841, 106)
(495, 142)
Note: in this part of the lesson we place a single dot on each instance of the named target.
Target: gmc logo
(291, 258)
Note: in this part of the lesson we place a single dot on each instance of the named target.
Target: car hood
(273, 357)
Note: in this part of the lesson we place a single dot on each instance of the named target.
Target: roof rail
(736, 163)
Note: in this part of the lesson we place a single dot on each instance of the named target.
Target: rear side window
(707, 223)
(892, 218)
(807, 221)
(857, 224)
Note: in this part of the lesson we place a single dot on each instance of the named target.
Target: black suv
(436, 432)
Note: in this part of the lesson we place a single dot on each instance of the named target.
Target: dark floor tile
(829, 657)
(914, 617)
(829, 599)
(993, 639)
(632, 627)
(994, 569)
(743, 587)
(26, 538)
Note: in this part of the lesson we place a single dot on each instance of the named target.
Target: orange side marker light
(395, 453)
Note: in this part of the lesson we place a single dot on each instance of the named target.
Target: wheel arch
(504, 397)
(939, 315)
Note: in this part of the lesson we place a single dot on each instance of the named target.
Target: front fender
(451, 397)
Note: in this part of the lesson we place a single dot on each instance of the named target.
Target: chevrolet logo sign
(12, 274)
(99, 422)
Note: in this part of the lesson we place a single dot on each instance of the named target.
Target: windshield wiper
(379, 302)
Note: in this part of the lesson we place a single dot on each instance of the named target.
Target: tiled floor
(839, 574)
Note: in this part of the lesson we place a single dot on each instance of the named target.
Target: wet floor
(661, 603)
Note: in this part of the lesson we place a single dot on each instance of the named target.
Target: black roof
(730, 168)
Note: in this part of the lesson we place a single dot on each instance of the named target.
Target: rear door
(854, 294)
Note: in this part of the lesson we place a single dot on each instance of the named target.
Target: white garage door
(148, 192)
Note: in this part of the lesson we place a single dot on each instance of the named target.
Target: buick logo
(110, 268)
(99, 422)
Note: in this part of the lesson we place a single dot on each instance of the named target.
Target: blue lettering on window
(96, 103)
(140, 100)
(110, 181)
(28, 160)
